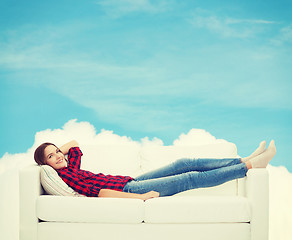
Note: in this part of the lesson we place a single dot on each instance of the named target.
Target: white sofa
(234, 210)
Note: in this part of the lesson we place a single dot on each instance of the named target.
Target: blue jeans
(185, 174)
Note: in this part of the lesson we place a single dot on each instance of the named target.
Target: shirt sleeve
(81, 187)
(89, 190)
(74, 157)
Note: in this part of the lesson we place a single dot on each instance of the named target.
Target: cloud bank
(85, 133)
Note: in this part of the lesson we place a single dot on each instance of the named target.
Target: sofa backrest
(135, 160)
(111, 159)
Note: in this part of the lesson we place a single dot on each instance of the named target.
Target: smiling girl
(181, 175)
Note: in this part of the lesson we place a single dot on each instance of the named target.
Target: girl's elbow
(75, 143)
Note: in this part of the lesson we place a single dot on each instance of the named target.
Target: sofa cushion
(203, 209)
(200, 209)
(54, 185)
(90, 210)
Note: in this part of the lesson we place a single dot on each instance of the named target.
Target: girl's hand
(148, 195)
(65, 148)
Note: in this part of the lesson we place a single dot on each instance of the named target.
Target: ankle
(248, 165)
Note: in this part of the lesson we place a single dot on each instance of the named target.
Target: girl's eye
(50, 156)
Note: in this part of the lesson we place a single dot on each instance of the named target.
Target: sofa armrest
(257, 191)
(29, 189)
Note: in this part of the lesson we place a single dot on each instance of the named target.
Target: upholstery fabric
(202, 209)
(93, 209)
(208, 231)
(45, 217)
(53, 184)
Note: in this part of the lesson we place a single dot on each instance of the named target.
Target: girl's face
(54, 157)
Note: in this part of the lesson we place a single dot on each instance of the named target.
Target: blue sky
(148, 68)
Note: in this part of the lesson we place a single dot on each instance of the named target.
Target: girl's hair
(39, 155)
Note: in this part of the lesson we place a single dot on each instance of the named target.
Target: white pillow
(54, 185)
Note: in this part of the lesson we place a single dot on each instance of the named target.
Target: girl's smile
(54, 157)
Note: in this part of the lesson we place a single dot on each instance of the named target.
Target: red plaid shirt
(86, 182)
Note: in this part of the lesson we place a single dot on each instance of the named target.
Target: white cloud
(250, 21)
(119, 8)
(196, 137)
(228, 27)
(284, 36)
(214, 24)
(85, 133)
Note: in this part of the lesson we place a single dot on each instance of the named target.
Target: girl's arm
(65, 148)
(118, 194)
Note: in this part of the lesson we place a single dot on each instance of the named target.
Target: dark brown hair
(39, 155)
